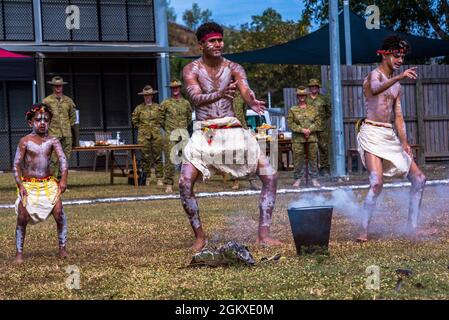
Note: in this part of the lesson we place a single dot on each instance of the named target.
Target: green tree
(195, 16)
(428, 18)
(171, 13)
(263, 31)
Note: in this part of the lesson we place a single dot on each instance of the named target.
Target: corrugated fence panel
(434, 97)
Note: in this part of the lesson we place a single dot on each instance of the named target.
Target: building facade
(107, 50)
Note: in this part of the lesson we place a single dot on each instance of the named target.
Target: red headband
(391, 51)
(211, 35)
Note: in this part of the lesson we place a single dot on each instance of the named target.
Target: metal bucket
(311, 228)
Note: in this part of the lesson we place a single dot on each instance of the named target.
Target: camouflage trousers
(66, 143)
(169, 166)
(152, 155)
(324, 144)
(174, 143)
(299, 156)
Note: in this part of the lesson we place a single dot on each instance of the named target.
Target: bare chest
(36, 150)
(213, 79)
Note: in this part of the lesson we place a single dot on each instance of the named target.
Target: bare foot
(297, 183)
(63, 253)
(363, 237)
(418, 233)
(268, 241)
(253, 185)
(199, 244)
(315, 183)
(431, 231)
(19, 258)
(159, 183)
(169, 189)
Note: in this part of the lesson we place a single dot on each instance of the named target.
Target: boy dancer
(38, 191)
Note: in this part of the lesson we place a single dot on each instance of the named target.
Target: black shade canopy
(313, 49)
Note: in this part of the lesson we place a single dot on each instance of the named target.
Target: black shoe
(253, 185)
(325, 173)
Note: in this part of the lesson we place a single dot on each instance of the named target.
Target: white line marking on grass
(232, 193)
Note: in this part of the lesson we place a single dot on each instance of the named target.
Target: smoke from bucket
(343, 200)
(390, 216)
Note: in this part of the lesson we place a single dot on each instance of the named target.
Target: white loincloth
(383, 143)
(39, 202)
(234, 150)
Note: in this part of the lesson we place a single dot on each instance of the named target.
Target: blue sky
(237, 12)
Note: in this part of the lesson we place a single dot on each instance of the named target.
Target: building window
(16, 20)
(3, 115)
(105, 92)
(114, 20)
(20, 98)
(99, 20)
(140, 20)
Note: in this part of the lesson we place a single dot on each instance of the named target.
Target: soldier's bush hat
(314, 82)
(301, 91)
(175, 83)
(147, 90)
(57, 81)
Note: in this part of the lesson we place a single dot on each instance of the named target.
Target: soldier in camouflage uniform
(177, 115)
(148, 117)
(240, 114)
(64, 115)
(322, 104)
(303, 121)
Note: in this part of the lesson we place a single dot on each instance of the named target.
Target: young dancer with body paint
(211, 82)
(38, 191)
(384, 153)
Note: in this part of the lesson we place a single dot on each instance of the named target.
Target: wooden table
(111, 149)
(284, 146)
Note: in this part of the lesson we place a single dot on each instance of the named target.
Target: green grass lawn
(137, 250)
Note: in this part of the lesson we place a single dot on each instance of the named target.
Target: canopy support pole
(348, 48)
(338, 144)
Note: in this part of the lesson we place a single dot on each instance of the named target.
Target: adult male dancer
(211, 82)
(383, 152)
(38, 191)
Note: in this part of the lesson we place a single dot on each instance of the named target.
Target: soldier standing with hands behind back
(322, 105)
(177, 115)
(304, 121)
(147, 118)
(64, 115)
(240, 113)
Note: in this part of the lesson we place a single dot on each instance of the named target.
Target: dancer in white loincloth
(383, 152)
(219, 143)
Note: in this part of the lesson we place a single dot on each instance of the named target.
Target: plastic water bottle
(118, 137)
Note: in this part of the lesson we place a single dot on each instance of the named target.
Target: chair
(350, 154)
(105, 136)
(102, 136)
(285, 147)
(416, 153)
